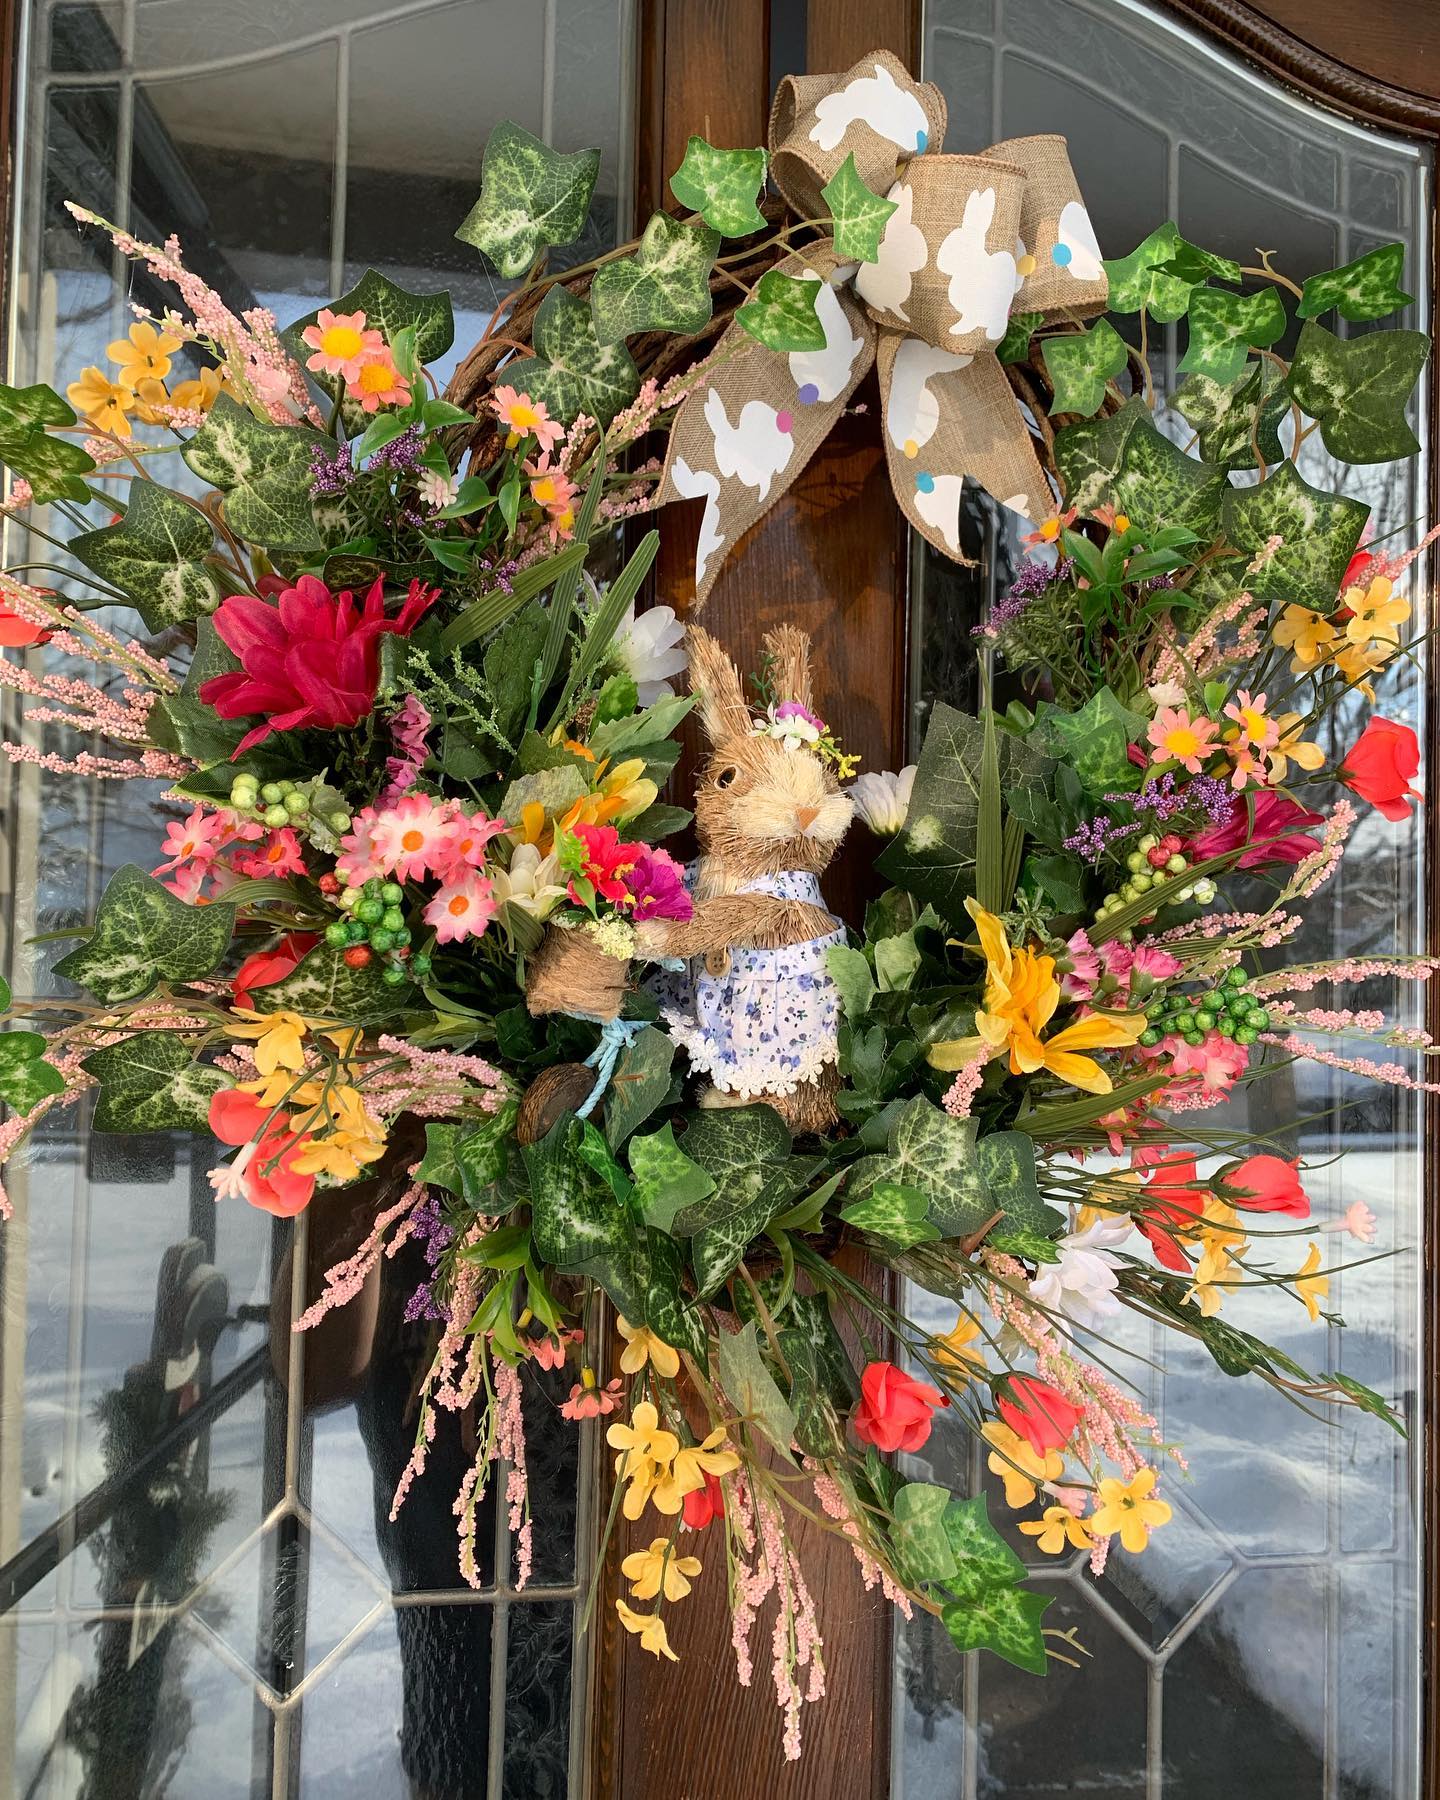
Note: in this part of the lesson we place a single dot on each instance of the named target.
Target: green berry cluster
(375, 925)
(1143, 874)
(1228, 1008)
(277, 803)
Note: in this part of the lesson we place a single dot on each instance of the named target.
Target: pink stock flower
(1276, 836)
(281, 856)
(1084, 971)
(462, 909)
(193, 839)
(312, 660)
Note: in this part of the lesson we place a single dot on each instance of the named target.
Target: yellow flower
(200, 394)
(102, 401)
(649, 1628)
(646, 1453)
(1018, 1466)
(628, 788)
(642, 1346)
(646, 1570)
(279, 1039)
(1056, 1528)
(345, 1136)
(1021, 994)
(1290, 747)
(144, 355)
(1375, 613)
(1311, 1288)
(957, 1350)
(1308, 634)
(693, 1462)
(1126, 1508)
(1212, 1279)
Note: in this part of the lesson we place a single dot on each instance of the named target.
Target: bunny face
(762, 808)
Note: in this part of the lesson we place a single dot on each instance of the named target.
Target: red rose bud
(1267, 1184)
(1038, 1412)
(704, 1504)
(266, 967)
(1380, 765)
(894, 1410)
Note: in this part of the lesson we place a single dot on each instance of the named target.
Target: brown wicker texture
(568, 974)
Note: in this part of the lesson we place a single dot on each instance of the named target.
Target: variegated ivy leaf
(578, 1224)
(1015, 345)
(154, 555)
(640, 1082)
(142, 931)
(746, 1152)
(1318, 534)
(1095, 743)
(324, 986)
(20, 408)
(934, 1153)
(922, 1544)
(983, 1559)
(1007, 1161)
(151, 1082)
(782, 315)
(469, 1159)
(721, 185)
(1125, 461)
(555, 789)
(663, 286)
(263, 469)
(895, 1212)
(1003, 1619)
(1357, 389)
(1139, 282)
(673, 1318)
(666, 1180)
(857, 213)
(1224, 327)
(25, 1077)
(571, 370)
(1367, 288)
(52, 466)
(1234, 419)
(1191, 263)
(1080, 365)
(531, 198)
(750, 1387)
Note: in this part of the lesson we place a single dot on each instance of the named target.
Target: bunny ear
(789, 649)
(715, 682)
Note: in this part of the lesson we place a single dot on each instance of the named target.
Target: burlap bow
(972, 238)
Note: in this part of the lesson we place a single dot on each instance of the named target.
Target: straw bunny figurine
(757, 1010)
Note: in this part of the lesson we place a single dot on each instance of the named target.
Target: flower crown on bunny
(757, 1009)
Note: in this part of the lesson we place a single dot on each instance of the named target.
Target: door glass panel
(201, 1587)
(1268, 1641)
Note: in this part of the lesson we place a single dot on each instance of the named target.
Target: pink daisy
(523, 417)
(194, 839)
(341, 343)
(358, 860)
(280, 856)
(1176, 737)
(412, 837)
(187, 881)
(461, 909)
(469, 834)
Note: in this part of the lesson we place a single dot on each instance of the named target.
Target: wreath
(413, 920)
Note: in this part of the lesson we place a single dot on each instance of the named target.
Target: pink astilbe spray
(345, 1279)
(833, 1505)
(764, 1564)
(960, 1095)
(510, 1444)
(435, 1083)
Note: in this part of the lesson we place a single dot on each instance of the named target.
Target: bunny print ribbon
(971, 240)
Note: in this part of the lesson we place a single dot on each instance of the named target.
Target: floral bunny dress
(770, 1021)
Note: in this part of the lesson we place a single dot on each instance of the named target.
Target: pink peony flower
(462, 909)
(312, 660)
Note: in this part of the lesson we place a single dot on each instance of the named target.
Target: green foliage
(663, 286)
(1319, 534)
(155, 556)
(722, 186)
(640, 1082)
(1224, 327)
(1143, 281)
(1006, 1620)
(324, 986)
(857, 213)
(850, 971)
(951, 1547)
(52, 466)
(1081, 365)
(151, 1082)
(1367, 288)
(1357, 389)
(782, 314)
(666, 1180)
(263, 469)
(1233, 419)
(531, 198)
(390, 309)
(895, 1212)
(143, 932)
(1125, 461)
(468, 1159)
(750, 1387)
(25, 1077)
(571, 370)
(1094, 742)
(578, 1223)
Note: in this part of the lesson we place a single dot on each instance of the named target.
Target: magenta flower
(1277, 836)
(657, 886)
(312, 660)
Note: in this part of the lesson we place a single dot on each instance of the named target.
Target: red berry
(1158, 857)
(328, 884)
(358, 956)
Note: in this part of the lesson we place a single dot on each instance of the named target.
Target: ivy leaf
(1319, 533)
(1140, 282)
(1080, 365)
(640, 1082)
(1232, 418)
(982, 1557)
(663, 286)
(572, 371)
(143, 932)
(721, 185)
(151, 1082)
(531, 198)
(1191, 263)
(154, 555)
(857, 212)
(1224, 327)
(1003, 1619)
(324, 986)
(1007, 1162)
(666, 1180)
(40, 405)
(1095, 741)
(745, 1151)
(52, 466)
(264, 471)
(578, 1223)
(674, 1319)
(1124, 460)
(25, 1077)
(922, 1544)
(1015, 345)
(936, 1154)
(1357, 389)
(895, 1212)
(782, 314)
(850, 971)
(1367, 288)
(751, 1388)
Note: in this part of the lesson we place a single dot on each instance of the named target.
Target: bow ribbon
(971, 239)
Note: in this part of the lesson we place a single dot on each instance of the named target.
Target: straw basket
(569, 973)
